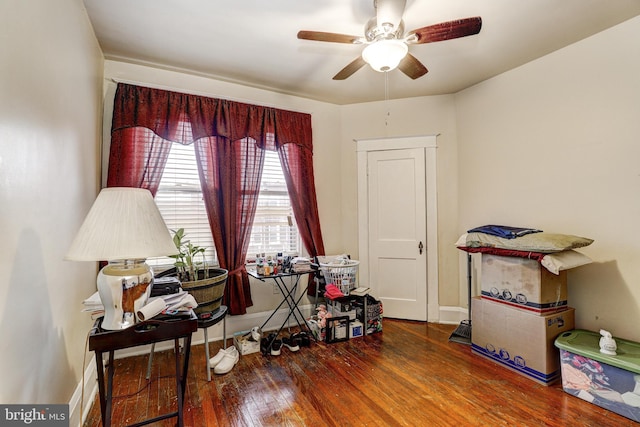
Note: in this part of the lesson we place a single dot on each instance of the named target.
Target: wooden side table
(149, 332)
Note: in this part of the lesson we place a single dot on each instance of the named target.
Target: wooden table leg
(105, 395)
(181, 375)
(101, 393)
(110, 370)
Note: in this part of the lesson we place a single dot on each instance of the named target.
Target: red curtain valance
(161, 111)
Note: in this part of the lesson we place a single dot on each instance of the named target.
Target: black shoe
(264, 346)
(267, 343)
(302, 338)
(276, 346)
(291, 343)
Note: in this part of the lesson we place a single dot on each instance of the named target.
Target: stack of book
(93, 305)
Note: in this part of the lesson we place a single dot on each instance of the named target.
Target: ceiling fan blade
(412, 67)
(390, 11)
(446, 30)
(347, 71)
(329, 37)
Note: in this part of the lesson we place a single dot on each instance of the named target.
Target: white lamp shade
(123, 223)
(385, 55)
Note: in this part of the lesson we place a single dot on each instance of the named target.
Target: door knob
(421, 246)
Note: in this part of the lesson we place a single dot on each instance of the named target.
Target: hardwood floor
(408, 375)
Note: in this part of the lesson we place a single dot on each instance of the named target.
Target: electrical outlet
(276, 291)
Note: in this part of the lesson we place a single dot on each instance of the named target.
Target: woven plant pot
(208, 292)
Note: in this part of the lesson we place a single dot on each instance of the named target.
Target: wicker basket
(208, 293)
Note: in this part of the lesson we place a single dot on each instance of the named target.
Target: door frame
(429, 144)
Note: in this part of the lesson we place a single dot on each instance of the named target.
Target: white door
(397, 228)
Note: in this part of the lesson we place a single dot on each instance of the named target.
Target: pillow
(558, 261)
(462, 241)
(535, 242)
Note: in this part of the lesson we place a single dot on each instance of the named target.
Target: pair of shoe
(291, 343)
(225, 360)
(271, 345)
(276, 344)
(302, 338)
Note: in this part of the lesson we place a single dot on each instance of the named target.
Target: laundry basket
(342, 273)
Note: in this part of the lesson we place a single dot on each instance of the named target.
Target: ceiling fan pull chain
(386, 97)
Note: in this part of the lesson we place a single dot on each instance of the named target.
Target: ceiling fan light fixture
(385, 55)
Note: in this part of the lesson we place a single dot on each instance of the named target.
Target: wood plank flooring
(408, 375)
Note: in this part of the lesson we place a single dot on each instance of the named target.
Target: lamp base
(123, 287)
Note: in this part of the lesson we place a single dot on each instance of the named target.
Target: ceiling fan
(387, 46)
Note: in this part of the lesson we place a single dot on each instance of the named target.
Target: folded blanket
(554, 262)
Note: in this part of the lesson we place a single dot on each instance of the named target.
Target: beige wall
(50, 109)
(554, 145)
(326, 143)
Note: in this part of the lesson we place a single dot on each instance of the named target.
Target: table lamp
(123, 227)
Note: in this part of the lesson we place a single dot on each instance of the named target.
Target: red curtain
(297, 164)
(229, 140)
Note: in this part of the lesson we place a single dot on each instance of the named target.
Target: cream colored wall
(50, 109)
(433, 115)
(326, 143)
(554, 145)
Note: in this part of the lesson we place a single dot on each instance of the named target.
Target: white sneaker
(218, 357)
(228, 361)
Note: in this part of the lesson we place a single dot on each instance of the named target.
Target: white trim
(91, 390)
(396, 143)
(452, 315)
(429, 143)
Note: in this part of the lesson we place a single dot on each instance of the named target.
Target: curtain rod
(199, 93)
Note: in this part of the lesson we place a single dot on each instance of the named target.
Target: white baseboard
(80, 406)
(452, 315)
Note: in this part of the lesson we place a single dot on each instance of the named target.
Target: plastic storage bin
(612, 382)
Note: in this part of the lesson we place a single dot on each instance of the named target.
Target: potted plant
(188, 269)
(205, 283)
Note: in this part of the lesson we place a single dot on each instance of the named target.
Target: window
(274, 228)
(181, 204)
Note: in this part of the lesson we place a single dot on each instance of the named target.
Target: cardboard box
(244, 344)
(518, 340)
(522, 283)
(612, 382)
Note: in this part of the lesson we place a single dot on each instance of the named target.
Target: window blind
(179, 199)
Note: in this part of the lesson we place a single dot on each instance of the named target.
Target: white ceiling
(253, 42)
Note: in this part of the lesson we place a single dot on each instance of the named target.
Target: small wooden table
(149, 332)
